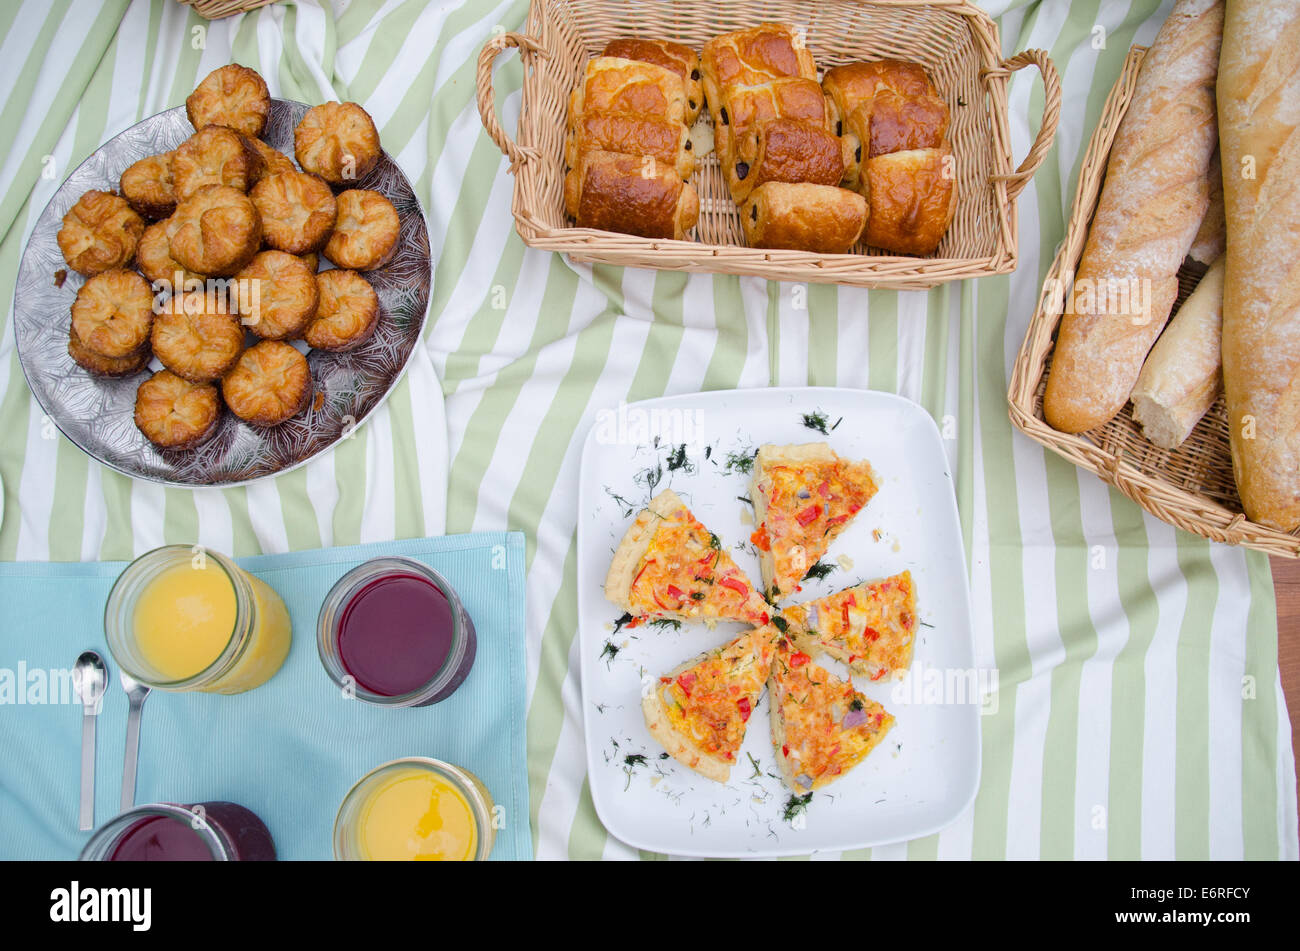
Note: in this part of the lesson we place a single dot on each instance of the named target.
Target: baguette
(1153, 201)
(1181, 379)
(1259, 111)
(1211, 237)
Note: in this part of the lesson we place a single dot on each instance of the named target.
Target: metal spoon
(136, 694)
(90, 676)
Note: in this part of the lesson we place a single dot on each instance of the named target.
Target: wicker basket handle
(487, 109)
(1017, 181)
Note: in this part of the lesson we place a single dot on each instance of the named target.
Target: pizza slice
(804, 496)
(821, 725)
(871, 626)
(699, 712)
(670, 566)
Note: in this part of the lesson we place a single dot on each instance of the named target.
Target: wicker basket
(1191, 487)
(956, 42)
(216, 9)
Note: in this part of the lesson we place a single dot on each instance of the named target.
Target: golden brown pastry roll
(847, 87)
(101, 365)
(233, 96)
(913, 196)
(626, 86)
(786, 150)
(270, 383)
(803, 217)
(891, 122)
(668, 142)
(682, 60)
(174, 413)
(365, 230)
(215, 231)
(147, 185)
(337, 141)
(113, 313)
(100, 232)
(630, 194)
(746, 107)
(753, 57)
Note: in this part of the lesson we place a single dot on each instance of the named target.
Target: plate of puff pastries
(226, 289)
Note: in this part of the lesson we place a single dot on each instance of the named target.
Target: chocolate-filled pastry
(297, 209)
(890, 122)
(786, 150)
(273, 160)
(147, 185)
(174, 413)
(277, 295)
(848, 87)
(270, 383)
(751, 58)
(215, 231)
(913, 196)
(667, 142)
(214, 155)
(746, 107)
(348, 312)
(337, 141)
(198, 341)
(682, 60)
(113, 313)
(99, 232)
(233, 96)
(803, 217)
(613, 85)
(101, 365)
(614, 192)
(365, 231)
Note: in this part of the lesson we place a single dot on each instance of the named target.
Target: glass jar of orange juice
(181, 618)
(416, 809)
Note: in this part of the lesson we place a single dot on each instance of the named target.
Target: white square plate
(925, 772)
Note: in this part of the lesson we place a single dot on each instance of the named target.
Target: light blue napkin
(288, 750)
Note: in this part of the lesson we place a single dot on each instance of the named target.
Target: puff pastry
(667, 142)
(273, 160)
(147, 185)
(786, 150)
(847, 87)
(891, 122)
(174, 413)
(337, 141)
(613, 85)
(216, 231)
(913, 197)
(682, 60)
(101, 365)
(297, 211)
(753, 57)
(113, 313)
(347, 314)
(233, 96)
(803, 217)
(625, 193)
(99, 232)
(214, 155)
(277, 295)
(154, 259)
(365, 231)
(270, 383)
(198, 342)
(745, 107)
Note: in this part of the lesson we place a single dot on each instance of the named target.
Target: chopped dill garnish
(795, 805)
(610, 651)
(926, 624)
(758, 770)
(856, 704)
(781, 624)
(698, 595)
(666, 624)
(714, 543)
(625, 619)
(742, 462)
(663, 755)
(627, 507)
(635, 759)
(677, 459)
(817, 421)
(820, 570)
(746, 499)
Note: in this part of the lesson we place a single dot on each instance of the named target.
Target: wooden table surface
(1286, 579)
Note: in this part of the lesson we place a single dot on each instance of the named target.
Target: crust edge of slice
(635, 543)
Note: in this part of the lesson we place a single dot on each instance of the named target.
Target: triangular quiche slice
(871, 626)
(700, 711)
(821, 725)
(803, 496)
(669, 565)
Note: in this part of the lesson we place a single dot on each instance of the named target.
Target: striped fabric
(1140, 713)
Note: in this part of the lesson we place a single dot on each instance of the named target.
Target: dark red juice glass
(392, 631)
(165, 832)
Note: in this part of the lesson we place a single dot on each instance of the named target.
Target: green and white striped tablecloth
(1140, 712)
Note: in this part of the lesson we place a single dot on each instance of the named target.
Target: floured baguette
(1181, 378)
(1153, 201)
(1211, 237)
(1259, 113)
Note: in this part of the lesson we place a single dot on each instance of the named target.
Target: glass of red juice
(393, 632)
(166, 832)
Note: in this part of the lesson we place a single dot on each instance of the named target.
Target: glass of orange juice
(415, 809)
(181, 618)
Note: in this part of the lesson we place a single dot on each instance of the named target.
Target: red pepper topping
(743, 705)
(880, 673)
(737, 586)
(642, 571)
(760, 539)
(872, 634)
(674, 591)
(824, 490)
(785, 750)
(686, 682)
(798, 659)
(808, 515)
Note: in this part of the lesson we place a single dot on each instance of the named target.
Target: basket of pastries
(861, 143)
(1165, 348)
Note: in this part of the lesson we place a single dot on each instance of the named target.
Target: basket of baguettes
(861, 142)
(1164, 354)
